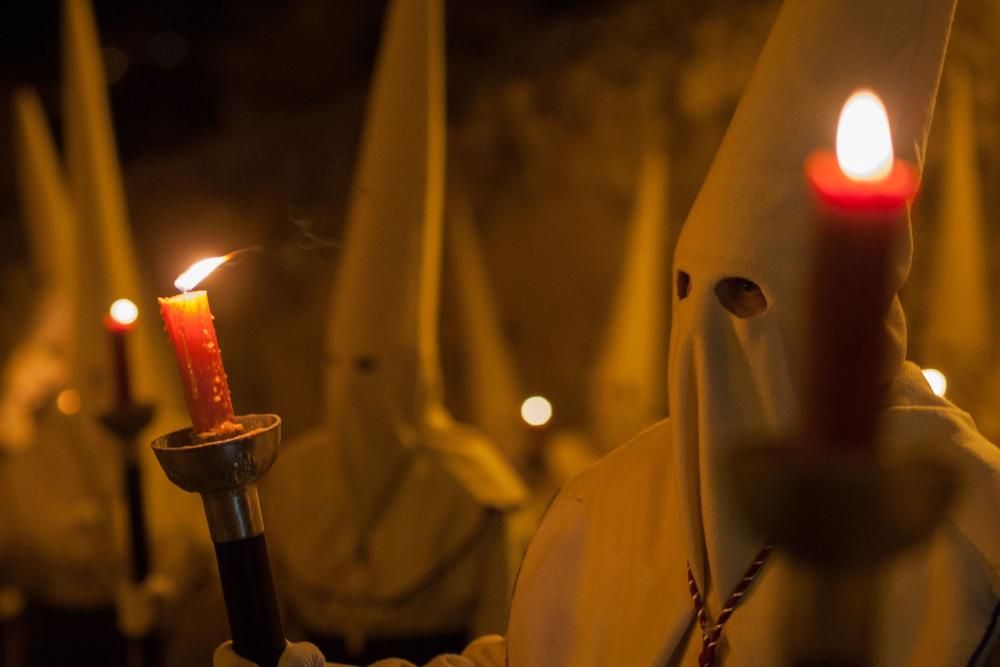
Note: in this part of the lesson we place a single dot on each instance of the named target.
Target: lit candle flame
(198, 271)
(536, 411)
(864, 141)
(124, 312)
(937, 381)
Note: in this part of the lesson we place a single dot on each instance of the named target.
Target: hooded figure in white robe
(65, 537)
(387, 524)
(605, 579)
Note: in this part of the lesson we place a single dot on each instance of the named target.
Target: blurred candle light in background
(119, 321)
(937, 381)
(68, 401)
(124, 312)
(536, 411)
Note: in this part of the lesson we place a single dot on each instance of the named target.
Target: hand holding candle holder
(221, 457)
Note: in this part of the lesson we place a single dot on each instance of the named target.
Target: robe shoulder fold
(603, 581)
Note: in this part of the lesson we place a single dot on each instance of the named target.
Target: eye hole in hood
(741, 297)
(683, 285)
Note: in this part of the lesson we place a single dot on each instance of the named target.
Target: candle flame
(864, 141)
(124, 312)
(536, 411)
(937, 381)
(198, 271)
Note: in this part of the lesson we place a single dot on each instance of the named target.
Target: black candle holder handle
(225, 473)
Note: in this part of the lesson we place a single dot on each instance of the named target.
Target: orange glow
(68, 401)
(124, 312)
(864, 141)
(198, 271)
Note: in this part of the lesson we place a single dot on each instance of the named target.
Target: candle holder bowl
(841, 508)
(225, 472)
(127, 421)
(839, 515)
(225, 464)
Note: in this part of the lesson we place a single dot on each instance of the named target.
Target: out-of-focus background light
(536, 411)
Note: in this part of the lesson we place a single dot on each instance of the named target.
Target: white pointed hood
(108, 264)
(492, 385)
(41, 365)
(383, 504)
(751, 219)
(628, 385)
(957, 335)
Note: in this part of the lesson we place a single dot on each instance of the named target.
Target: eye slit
(365, 364)
(741, 297)
(683, 285)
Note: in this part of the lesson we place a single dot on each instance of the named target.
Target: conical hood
(48, 213)
(41, 364)
(385, 307)
(957, 335)
(107, 269)
(405, 492)
(628, 387)
(492, 386)
(731, 376)
(107, 261)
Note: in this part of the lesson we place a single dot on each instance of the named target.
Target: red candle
(189, 324)
(862, 196)
(120, 319)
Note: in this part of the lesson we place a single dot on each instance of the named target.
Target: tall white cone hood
(492, 385)
(41, 364)
(957, 335)
(382, 504)
(108, 262)
(628, 385)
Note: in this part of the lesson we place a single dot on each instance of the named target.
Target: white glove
(140, 606)
(301, 654)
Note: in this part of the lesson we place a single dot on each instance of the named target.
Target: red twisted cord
(712, 634)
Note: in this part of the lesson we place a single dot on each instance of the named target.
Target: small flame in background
(124, 312)
(864, 141)
(937, 381)
(200, 270)
(536, 411)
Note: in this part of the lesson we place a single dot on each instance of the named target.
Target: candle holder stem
(225, 472)
(125, 422)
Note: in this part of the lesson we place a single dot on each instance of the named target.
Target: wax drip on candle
(189, 323)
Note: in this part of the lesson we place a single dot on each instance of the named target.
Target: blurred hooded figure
(388, 524)
(628, 385)
(605, 579)
(62, 497)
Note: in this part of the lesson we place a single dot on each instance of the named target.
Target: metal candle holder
(225, 473)
(125, 422)
(839, 515)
